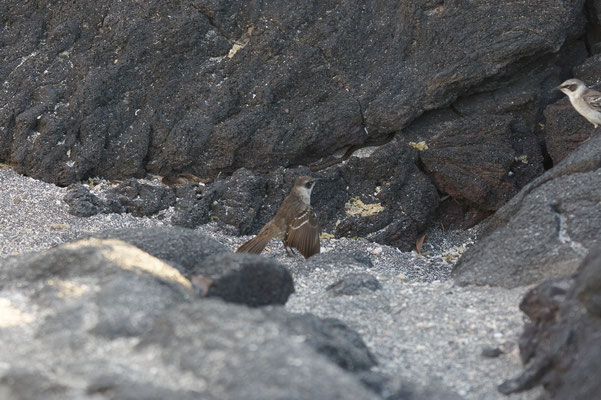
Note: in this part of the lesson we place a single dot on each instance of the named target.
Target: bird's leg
(288, 253)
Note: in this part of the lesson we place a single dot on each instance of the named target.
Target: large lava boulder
(561, 346)
(101, 316)
(117, 89)
(545, 231)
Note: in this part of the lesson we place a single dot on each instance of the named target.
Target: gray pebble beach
(420, 326)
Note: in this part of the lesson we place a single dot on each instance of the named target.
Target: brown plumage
(295, 223)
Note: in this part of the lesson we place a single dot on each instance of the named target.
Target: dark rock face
(393, 184)
(81, 202)
(131, 196)
(352, 284)
(119, 89)
(469, 159)
(239, 199)
(122, 89)
(193, 206)
(387, 178)
(141, 199)
(565, 129)
(545, 231)
(157, 339)
(561, 346)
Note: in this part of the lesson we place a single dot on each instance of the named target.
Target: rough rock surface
(81, 202)
(561, 346)
(131, 196)
(469, 159)
(404, 196)
(182, 248)
(215, 88)
(212, 268)
(245, 278)
(141, 199)
(124, 308)
(545, 231)
(565, 129)
(119, 89)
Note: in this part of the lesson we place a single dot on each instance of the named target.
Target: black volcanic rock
(404, 197)
(561, 346)
(244, 278)
(545, 231)
(118, 89)
(141, 199)
(81, 202)
(565, 129)
(239, 199)
(247, 95)
(469, 158)
(131, 196)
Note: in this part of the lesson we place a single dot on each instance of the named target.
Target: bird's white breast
(585, 110)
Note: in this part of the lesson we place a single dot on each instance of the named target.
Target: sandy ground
(421, 327)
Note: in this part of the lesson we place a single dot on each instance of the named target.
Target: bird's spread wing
(593, 98)
(303, 233)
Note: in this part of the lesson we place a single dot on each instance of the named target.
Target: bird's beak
(556, 88)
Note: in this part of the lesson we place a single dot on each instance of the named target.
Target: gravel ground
(421, 327)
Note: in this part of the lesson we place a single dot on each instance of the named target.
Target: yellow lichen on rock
(523, 158)
(419, 146)
(355, 206)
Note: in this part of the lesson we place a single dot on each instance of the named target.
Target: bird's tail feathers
(254, 245)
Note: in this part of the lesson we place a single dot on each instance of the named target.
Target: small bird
(586, 101)
(295, 223)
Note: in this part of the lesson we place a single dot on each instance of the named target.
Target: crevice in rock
(547, 160)
(381, 140)
(453, 108)
(211, 20)
(593, 28)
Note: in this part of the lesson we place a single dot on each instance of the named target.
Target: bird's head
(304, 186)
(572, 87)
